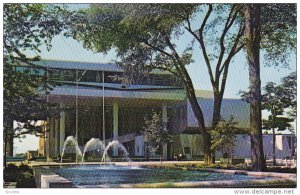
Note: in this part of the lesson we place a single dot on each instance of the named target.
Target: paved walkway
(136, 163)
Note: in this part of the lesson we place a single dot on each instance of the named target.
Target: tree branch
(201, 41)
(158, 49)
(232, 52)
(165, 69)
(227, 26)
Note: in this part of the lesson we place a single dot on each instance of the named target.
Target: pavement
(135, 163)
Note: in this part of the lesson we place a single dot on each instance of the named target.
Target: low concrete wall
(46, 179)
(55, 181)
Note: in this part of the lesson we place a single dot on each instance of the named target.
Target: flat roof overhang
(94, 97)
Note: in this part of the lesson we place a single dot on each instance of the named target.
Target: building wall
(285, 145)
(177, 118)
(190, 145)
(239, 109)
(41, 146)
(139, 146)
(242, 148)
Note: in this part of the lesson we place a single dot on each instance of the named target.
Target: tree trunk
(5, 147)
(188, 85)
(10, 140)
(208, 154)
(217, 109)
(216, 115)
(274, 147)
(10, 146)
(252, 32)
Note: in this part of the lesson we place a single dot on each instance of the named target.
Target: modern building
(109, 110)
(94, 103)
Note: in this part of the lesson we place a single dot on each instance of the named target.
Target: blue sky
(69, 49)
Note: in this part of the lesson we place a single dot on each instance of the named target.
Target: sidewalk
(138, 163)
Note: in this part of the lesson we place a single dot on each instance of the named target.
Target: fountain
(93, 143)
(73, 142)
(114, 175)
(118, 145)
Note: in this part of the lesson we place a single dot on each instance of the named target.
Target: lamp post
(76, 105)
(77, 80)
(47, 124)
(103, 110)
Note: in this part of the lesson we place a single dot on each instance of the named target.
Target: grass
(199, 166)
(276, 183)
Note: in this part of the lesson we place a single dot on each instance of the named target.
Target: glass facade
(90, 123)
(96, 76)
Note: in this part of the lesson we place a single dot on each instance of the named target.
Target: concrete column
(51, 136)
(62, 121)
(57, 136)
(115, 125)
(165, 119)
(47, 139)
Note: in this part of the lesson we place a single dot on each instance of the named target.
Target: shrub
(11, 172)
(26, 180)
(25, 168)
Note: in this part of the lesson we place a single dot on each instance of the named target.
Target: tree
(137, 29)
(272, 30)
(252, 33)
(224, 135)
(144, 36)
(26, 28)
(226, 43)
(155, 133)
(289, 93)
(276, 100)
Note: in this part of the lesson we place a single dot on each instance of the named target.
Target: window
(90, 76)
(111, 77)
(54, 75)
(86, 76)
(187, 150)
(69, 75)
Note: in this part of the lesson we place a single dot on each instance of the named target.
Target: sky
(238, 79)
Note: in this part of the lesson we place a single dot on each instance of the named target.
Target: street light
(77, 80)
(103, 110)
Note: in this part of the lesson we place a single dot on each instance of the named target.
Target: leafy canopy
(224, 134)
(280, 101)
(26, 28)
(155, 132)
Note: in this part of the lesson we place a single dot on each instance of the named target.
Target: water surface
(93, 175)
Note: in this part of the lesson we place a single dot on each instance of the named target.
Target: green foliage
(289, 93)
(26, 180)
(155, 132)
(277, 99)
(138, 33)
(25, 168)
(23, 175)
(26, 28)
(10, 173)
(144, 37)
(278, 33)
(224, 135)
(276, 122)
(23, 103)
